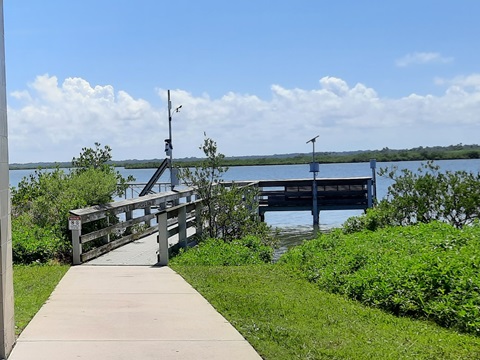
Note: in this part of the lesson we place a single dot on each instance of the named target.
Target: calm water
(299, 224)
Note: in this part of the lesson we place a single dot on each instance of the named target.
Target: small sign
(74, 223)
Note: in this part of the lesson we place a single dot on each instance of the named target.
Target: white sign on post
(74, 223)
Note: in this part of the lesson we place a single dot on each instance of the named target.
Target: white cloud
(469, 81)
(54, 121)
(419, 58)
(60, 119)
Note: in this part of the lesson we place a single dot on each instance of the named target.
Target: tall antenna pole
(170, 145)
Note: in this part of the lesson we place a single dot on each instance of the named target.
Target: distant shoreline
(452, 152)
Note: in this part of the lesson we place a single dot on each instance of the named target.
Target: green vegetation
(459, 151)
(42, 201)
(214, 252)
(228, 211)
(428, 271)
(33, 284)
(422, 197)
(285, 317)
(431, 195)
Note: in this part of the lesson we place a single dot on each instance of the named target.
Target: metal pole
(313, 168)
(316, 216)
(373, 165)
(170, 139)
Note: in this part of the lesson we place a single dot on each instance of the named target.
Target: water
(294, 225)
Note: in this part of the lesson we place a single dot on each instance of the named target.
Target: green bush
(432, 195)
(213, 252)
(428, 271)
(32, 243)
(421, 197)
(374, 218)
(41, 204)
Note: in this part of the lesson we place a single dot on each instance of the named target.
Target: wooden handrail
(127, 211)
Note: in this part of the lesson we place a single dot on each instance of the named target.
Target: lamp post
(314, 168)
(168, 142)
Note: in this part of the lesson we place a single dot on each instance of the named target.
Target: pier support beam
(316, 214)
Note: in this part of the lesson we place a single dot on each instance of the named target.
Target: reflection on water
(291, 236)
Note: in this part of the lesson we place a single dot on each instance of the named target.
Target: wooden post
(148, 211)
(108, 236)
(182, 226)
(128, 215)
(162, 239)
(76, 247)
(198, 218)
(162, 206)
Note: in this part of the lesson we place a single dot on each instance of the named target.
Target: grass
(33, 284)
(286, 317)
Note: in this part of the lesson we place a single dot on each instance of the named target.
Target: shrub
(43, 201)
(32, 243)
(422, 197)
(374, 218)
(431, 195)
(213, 252)
(427, 271)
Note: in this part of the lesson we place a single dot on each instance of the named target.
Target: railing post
(198, 218)
(76, 247)
(182, 226)
(148, 211)
(128, 217)
(162, 238)
(108, 224)
(162, 206)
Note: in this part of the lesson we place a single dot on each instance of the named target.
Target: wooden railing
(176, 226)
(90, 226)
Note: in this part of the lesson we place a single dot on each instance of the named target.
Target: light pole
(168, 142)
(314, 168)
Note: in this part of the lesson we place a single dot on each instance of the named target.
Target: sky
(260, 77)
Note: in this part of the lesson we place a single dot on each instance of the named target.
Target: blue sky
(259, 77)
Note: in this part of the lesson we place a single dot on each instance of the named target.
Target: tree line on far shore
(459, 151)
(451, 152)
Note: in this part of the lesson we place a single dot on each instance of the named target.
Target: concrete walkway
(140, 252)
(128, 312)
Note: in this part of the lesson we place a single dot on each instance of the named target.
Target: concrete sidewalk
(128, 312)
